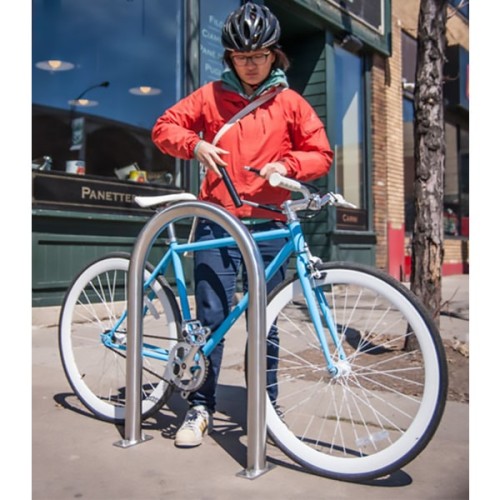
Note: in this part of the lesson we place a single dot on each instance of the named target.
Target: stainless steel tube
(256, 416)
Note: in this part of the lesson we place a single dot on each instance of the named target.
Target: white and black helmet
(251, 27)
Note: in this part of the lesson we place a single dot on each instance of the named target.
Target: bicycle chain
(151, 372)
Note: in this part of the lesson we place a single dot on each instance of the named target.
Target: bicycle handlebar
(230, 187)
(308, 202)
(278, 180)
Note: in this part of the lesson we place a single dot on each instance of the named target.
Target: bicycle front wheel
(382, 405)
(93, 348)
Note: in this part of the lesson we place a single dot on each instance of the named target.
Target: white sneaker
(197, 423)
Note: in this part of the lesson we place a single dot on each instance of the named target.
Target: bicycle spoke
(379, 402)
(93, 342)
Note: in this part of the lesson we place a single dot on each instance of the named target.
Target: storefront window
(212, 17)
(451, 177)
(102, 74)
(409, 163)
(456, 181)
(456, 184)
(462, 6)
(349, 126)
(463, 160)
(456, 175)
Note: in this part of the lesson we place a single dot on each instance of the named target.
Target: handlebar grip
(230, 187)
(277, 180)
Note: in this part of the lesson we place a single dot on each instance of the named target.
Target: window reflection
(212, 17)
(132, 44)
(409, 163)
(349, 123)
(462, 7)
(456, 181)
(456, 175)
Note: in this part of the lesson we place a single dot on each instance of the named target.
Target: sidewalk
(73, 454)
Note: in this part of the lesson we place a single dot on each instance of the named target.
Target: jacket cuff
(196, 147)
(289, 170)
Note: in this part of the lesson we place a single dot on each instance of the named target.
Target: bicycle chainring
(186, 371)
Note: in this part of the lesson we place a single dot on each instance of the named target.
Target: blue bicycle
(354, 400)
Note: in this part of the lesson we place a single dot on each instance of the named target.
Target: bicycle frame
(355, 414)
(295, 246)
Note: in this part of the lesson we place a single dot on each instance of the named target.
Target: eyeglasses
(258, 59)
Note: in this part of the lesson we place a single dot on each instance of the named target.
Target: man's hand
(209, 156)
(271, 168)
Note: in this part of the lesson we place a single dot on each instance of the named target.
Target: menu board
(212, 18)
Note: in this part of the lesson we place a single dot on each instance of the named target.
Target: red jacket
(284, 129)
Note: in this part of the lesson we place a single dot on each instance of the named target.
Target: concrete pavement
(73, 454)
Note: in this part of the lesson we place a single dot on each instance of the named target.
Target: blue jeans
(215, 274)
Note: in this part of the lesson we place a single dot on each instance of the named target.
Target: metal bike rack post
(256, 409)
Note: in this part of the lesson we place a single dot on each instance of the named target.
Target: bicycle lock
(256, 401)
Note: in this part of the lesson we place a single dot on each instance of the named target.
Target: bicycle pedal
(194, 332)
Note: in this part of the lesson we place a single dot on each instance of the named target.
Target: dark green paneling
(56, 259)
(308, 76)
(306, 16)
(326, 15)
(63, 243)
(353, 246)
(309, 30)
(364, 254)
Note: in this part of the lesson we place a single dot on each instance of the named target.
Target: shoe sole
(187, 445)
(191, 444)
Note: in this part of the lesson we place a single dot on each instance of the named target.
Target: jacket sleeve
(311, 155)
(176, 132)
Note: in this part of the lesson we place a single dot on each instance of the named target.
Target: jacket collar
(231, 82)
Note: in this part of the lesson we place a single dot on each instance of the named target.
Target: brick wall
(379, 164)
(387, 145)
(387, 138)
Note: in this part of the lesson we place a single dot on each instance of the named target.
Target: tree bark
(427, 240)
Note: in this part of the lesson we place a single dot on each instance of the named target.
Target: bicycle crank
(186, 368)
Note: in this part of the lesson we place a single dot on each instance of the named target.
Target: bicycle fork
(319, 310)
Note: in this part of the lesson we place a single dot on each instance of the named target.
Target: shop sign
(351, 219)
(77, 192)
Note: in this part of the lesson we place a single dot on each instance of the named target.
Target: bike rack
(256, 402)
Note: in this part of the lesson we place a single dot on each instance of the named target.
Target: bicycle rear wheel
(383, 407)
(91, 308)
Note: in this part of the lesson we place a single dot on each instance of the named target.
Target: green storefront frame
(328, 239)
(65, 240)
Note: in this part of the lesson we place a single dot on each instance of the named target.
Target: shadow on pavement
(229, 430)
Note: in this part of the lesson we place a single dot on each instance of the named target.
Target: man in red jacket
(283, 134)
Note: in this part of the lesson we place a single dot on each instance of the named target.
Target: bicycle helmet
(251, 27)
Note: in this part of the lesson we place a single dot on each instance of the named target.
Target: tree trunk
(427, 241)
